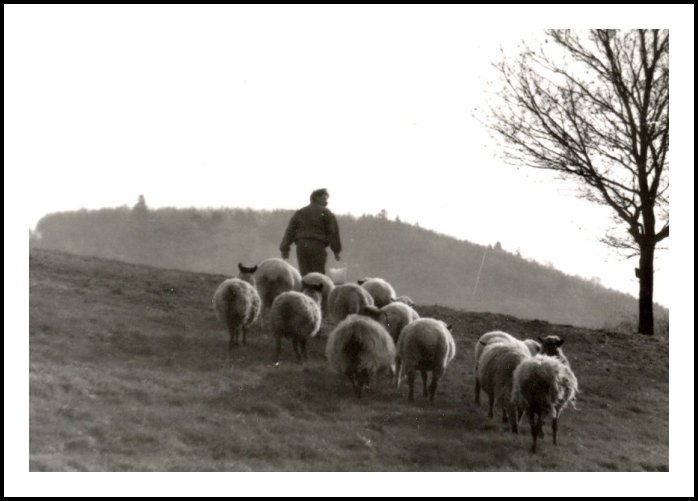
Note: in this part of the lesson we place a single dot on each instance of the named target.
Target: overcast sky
(257, 106)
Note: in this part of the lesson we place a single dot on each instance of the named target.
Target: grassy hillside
(429, 267)
(128, 372)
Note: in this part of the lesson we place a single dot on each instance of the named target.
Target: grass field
(128, 372)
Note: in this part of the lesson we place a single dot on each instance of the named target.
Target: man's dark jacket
(314, 222)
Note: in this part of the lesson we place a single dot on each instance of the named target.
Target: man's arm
(289, 237)
(333, 236)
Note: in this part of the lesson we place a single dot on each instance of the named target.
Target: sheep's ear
(559, 342)
(361, 281)
(449, 327)
(241, 267)
(318, 287)
(541, 340)
(254, 268)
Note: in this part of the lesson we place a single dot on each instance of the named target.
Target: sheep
(237, 304)
(275, 276)
(551, 347)
(327, 287)
(398, 315)
(407, 300)
(347, 299)
(296, 315)
(381, 291)
(247, 274)
(495, 374)
(543, 386)
(424, 345)
(359, 347)
(498, 336)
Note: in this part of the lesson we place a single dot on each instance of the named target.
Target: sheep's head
(375, 313)
(313, 291)
(550, 345)
(406, 300)
(245, 269)
(246, 273)
(312, 287)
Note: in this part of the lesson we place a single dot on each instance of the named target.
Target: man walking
(312, 228)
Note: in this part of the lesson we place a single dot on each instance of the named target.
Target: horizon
(516, 250)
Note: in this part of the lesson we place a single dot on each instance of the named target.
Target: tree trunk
(646, 276)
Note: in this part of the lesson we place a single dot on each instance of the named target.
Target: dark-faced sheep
(381, 291)
(551, 347)
(493, 337)
(425, 345)
(327, 287)
(275, 276)
(495, 373)
(296, 315)
(347, 299)
(237, 304)
(359, 347)
(543, 386)
(397, 316)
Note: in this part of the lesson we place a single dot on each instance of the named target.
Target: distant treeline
(429, 267)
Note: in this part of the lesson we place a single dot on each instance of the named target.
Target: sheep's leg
(278, 350)
(539, 425)
(555, 430)
(398, 367)
(432, 386)
(296, 349)
(490, 414)
(513, 419)
(410, 383)
(365, 379)
(534, 430)
(231, 342)
(304, 354)
(358, 384)
(244, 335)
(505, 416)
(353, 378)
(477, 390)
(424, 383)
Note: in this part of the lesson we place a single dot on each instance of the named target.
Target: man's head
(320, 197)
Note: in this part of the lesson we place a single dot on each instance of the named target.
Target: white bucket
(337, 275)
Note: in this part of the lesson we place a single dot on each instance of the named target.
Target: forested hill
(429, 267)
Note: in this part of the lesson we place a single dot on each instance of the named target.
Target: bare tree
(594, 107)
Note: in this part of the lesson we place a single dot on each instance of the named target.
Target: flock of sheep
(375, 331)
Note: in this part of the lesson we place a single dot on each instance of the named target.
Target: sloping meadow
(129, 371)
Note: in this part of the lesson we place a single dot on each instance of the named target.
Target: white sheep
(296, 315)
(543, 386)
(237, 304)
(550, 345)
(407, 300)
(275, 276)
(398, 315)
(424, 345)
(327, 287)
(498, 336)
(495, 374)
(347, 299)
(359, 347)
(381, 291)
